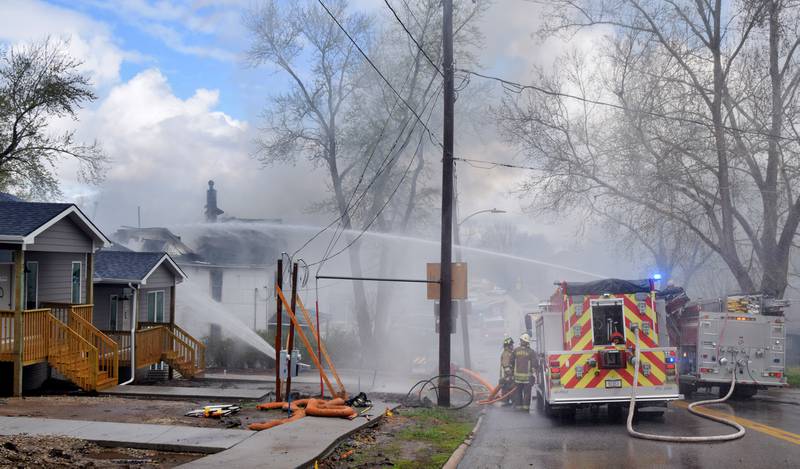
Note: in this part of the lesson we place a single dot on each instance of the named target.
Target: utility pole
(278, 328)
(445, 287)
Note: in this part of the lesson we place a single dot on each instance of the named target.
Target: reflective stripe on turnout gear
(523, 364)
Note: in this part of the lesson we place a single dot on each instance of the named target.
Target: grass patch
(793, 377)
(438, 432)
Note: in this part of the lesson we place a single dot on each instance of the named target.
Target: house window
(216, 284)
(76, 283)
(112, 312)
(155, 306)
(607, 321)
(31, 285)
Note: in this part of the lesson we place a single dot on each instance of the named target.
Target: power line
(419, 46)
(493, 164)
(516, 87)
(363, 172)
(388, 199)
(431, 99)
(378, 71)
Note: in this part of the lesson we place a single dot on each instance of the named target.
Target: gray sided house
(120, 275)
(46, 263)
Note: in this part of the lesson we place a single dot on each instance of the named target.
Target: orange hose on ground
(504, 396)
(274, 423)
(314, 407)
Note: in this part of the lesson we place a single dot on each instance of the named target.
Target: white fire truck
(584, 340)
(742, 334)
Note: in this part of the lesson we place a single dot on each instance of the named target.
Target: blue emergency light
(656, 276)
(670, 359)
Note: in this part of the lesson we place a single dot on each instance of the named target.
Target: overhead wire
(413, 39)
(388, 199)
(380, 74)
(518, 88)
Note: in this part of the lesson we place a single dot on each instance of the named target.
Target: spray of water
(232, 227)
(198, 311)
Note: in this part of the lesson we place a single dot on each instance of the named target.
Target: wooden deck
(63, 336)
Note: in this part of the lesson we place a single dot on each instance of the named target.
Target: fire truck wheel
(723, 390)
(687, 390)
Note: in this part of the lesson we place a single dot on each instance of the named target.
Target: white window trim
(112, 300)
(72, 285)
(163, 300)
(25, 289)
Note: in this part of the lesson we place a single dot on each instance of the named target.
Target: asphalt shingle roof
(124, 265)
(22, 218)
(4, 197)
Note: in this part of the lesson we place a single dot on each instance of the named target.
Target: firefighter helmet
(508, 342)
(525, 338)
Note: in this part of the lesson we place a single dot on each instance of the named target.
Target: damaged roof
(131, 267)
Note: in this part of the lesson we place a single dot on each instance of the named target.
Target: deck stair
(79, 353)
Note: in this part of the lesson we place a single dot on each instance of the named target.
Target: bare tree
(40, 82)
(324, 70)
(700, 130)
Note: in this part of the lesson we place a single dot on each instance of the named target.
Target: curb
(458, 454)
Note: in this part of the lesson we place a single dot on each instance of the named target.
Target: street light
(457, 232)
(464, 325)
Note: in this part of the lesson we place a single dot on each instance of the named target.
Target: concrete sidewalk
(181, 392)
(129, 435)
(296, 444)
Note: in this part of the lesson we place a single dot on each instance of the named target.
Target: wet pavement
(508, 438)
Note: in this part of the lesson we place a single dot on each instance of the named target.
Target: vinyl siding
(162, 277)
(63, 236)
(55, 275)
(102, 306)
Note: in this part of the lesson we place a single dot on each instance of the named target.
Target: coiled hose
(683, 439)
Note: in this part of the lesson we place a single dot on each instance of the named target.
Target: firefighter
(507, 367)
(523, 372)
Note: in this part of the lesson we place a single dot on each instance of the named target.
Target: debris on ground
(215, 411)
(51, 451)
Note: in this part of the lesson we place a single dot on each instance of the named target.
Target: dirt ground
(29, 451)
(125, 410)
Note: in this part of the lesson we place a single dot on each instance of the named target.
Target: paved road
(508, 438)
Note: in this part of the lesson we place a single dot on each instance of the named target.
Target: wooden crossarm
(305, 341)
(321, 345)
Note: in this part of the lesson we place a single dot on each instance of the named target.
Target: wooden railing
(35, 326)
(123, 341)
(34, 335)
(6, 336)
(198, 347)
(150, 345)
(107, 349)
(62, 310)
(71, 354)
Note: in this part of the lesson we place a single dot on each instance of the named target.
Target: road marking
(747, 423)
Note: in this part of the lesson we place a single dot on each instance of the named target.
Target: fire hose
(682, 439)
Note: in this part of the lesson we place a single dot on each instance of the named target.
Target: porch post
(171, 322)
(19, 307)
(90, 280)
